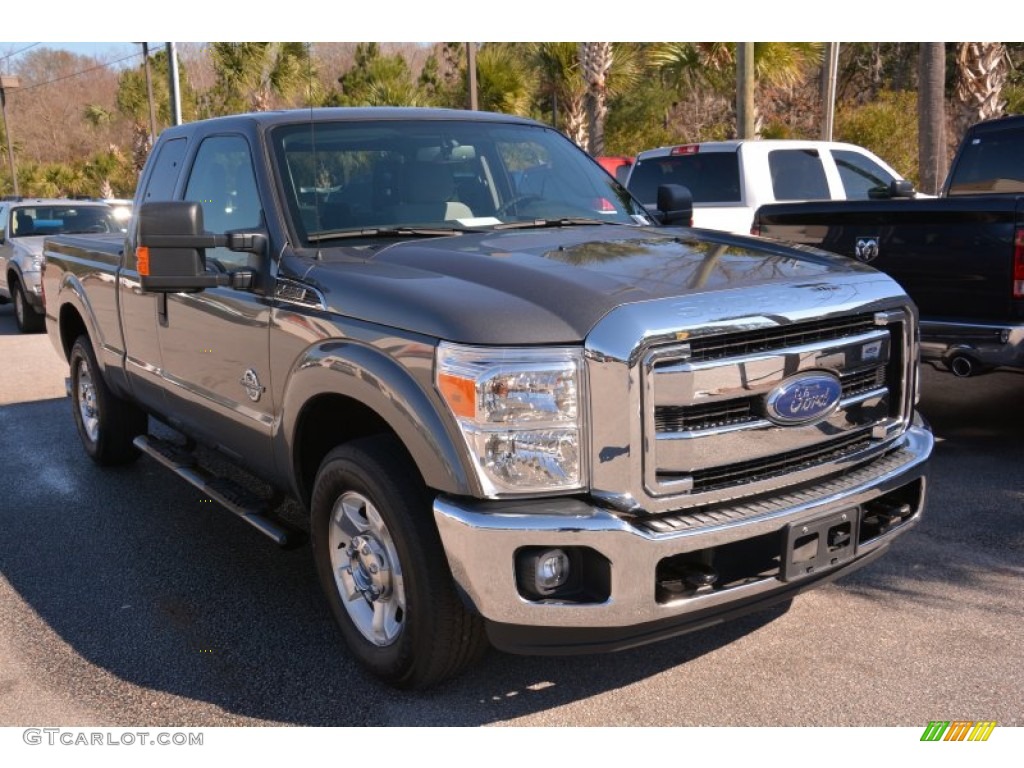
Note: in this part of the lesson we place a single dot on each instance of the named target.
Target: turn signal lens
(142, 259)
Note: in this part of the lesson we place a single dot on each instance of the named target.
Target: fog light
(543, 572)
(551, 570)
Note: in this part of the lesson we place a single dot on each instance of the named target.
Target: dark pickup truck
(960, 256)
(515, 408)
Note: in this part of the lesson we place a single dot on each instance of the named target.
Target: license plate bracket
(819, 544)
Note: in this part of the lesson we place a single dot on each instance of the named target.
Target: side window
(5, 226)
(797, 174)
(223, 182)
(166, 167)
(860, 174)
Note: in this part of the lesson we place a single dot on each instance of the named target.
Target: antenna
(312, 134)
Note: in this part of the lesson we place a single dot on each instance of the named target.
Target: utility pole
(829, 73)
(149, 95)
(9, 83)
(172, 75)
(471, 73)
(745, 91)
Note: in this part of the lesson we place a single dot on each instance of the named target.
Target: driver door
(215, 343)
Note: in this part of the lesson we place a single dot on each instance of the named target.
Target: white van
(729, 180)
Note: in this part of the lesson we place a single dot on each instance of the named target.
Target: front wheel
(383, 568)
(25, 315)
(106, 424)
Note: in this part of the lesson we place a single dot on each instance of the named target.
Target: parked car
(960, 256)
(23, 226)
(122, 209)
(729, 180)
(617, 165)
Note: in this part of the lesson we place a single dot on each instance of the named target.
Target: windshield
(347, 178)
(36, 220)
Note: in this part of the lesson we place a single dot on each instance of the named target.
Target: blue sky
(95, 49)
(107, 51)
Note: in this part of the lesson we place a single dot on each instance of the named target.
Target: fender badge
(251, 382)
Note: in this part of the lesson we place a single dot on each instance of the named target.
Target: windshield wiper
(337, 234)
(562, 222)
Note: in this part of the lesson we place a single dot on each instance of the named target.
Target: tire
(25, 315)
(383, 568)
(106, 424)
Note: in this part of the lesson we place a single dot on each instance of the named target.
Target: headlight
(520, 414)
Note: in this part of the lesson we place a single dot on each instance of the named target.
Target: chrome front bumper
(968, 348)
(481, 540)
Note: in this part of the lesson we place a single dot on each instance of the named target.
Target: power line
(20, 50)
(78, 74)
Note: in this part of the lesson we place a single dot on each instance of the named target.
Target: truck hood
(550, 286)
(31, 245)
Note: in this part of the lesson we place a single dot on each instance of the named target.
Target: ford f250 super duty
(960, 256)
(516, 409)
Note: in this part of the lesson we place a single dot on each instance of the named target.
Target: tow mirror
(171, 249)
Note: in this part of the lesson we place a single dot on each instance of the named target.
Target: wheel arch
(71, 325)
(341, 391)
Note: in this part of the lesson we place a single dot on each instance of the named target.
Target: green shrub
(887, 126)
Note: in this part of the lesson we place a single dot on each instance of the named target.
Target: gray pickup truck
(519, 408)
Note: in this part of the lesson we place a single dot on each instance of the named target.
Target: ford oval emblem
(804, 398)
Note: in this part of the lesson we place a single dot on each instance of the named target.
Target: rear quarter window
(166, 168)
(712, 177)
(797, 174)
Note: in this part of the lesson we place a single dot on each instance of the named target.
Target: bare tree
(56, 87)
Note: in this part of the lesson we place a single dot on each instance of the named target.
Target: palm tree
(931, 116)
(385, 93)
(503, 84)
(713, 65)
(562, 82)
(250, 75)
(595, 62)
(378, 79)
(608, 69)
(695, 64)
(982, 69)
(133, 103)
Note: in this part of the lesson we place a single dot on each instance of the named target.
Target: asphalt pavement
(127, 599)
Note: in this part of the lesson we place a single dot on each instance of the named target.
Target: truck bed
(954, 256)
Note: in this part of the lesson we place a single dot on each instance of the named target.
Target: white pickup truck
(729, 180)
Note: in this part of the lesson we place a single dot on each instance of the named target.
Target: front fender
(397, 389)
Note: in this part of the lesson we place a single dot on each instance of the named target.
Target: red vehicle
(617, 165)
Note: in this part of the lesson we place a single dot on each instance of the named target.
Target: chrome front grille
(775, 466)
(676, 418)
(769, 339)
(708, 435)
